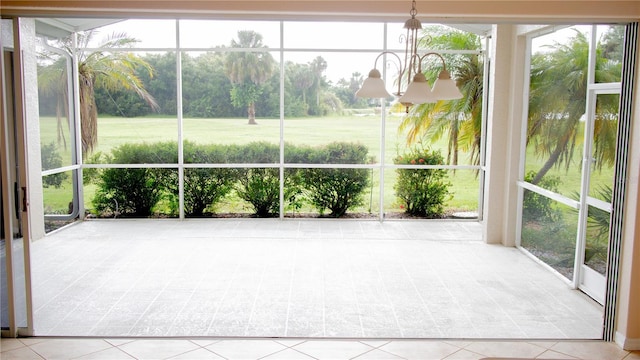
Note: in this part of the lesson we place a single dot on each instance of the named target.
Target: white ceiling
(62, 27)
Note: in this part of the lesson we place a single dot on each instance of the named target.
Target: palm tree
(318, 66)
(248, 70)
(557, 101)
(111, 70)
(459, 120)
(302, 78)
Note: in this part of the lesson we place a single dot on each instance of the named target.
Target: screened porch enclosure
(190, 151)
(265, 145)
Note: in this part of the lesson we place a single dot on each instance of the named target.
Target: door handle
(16, 198)
(24, 199)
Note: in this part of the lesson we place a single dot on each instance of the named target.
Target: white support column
(504, 127)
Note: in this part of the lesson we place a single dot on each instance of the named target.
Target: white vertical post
(281, 167)
(383, 129)
(586, 163)
(77, 130)
(180, 122)
(483, 125)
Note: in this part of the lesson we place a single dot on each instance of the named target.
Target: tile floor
(212, 348)
(297, 278)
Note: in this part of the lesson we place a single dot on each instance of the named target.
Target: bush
(336, 189)
(422, 191)
(539, 208)
(51, 159)
(91, 175)
(260, 187)
(135, 192)
(203, 188)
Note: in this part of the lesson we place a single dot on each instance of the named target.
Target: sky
(299, 39)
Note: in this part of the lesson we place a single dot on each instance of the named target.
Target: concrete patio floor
(298, 278)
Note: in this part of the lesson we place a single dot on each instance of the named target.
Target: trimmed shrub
(205, 187)
(260, 187)
(135, 192)
(422, 191)
(336, 189)
(51, 159)
(539, 208)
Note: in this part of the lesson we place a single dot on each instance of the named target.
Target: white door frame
(13, 131)
(586, 279)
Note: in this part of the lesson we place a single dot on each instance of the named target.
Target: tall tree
(459, 120)
(302, 78)
(111, 70)
(248, 70)
(557, 102)
(318, 66)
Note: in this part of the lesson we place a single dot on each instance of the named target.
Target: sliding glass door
(569, 159)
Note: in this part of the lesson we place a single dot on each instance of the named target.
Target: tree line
(218, 84)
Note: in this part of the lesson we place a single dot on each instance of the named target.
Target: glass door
(600, 144)
(569, 159)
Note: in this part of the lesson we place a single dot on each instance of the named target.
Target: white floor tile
(328, 349)
(198, 354)
(409, 349)
(376, 354)
(506, 349)
(69, 348)
(108, 354)
(157, 348)
(590, 350)
(10, 344)
(24, 353)
(245, 349)
(288, 354)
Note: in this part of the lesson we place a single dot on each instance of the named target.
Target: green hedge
(141, 192)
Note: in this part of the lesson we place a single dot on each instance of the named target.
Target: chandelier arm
(416, 63)
(375, 64)
(422, 57)
(401, 69)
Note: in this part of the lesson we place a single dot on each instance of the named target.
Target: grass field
(310, 131)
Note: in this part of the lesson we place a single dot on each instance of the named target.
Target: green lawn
(311, 131)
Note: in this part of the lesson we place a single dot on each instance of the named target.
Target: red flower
(413, 161)
(421, 161)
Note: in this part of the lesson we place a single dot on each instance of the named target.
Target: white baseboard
(626, 343)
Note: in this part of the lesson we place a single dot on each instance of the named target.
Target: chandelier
(418, 90)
